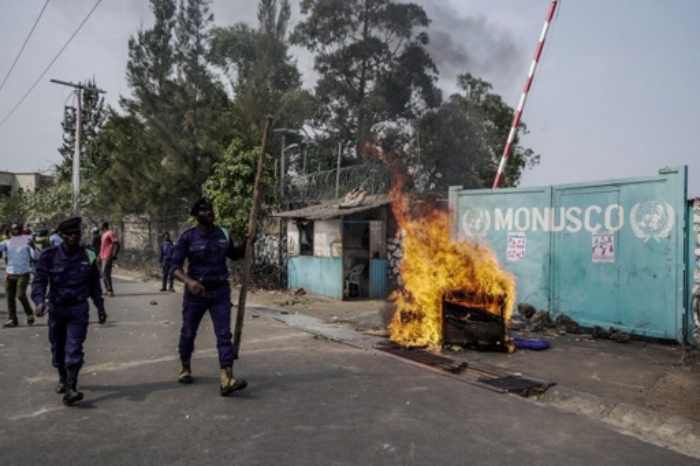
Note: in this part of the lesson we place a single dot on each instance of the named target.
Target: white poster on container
(603, 248)
(517, 245)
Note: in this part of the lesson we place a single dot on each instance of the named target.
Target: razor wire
(321, 186)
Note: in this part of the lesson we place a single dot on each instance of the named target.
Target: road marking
(199, 354)
(34, 414)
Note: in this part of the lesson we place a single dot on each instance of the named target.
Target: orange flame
(433, 266)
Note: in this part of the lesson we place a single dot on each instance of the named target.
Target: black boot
(72, 395)
(185, 376)
(62, 380)
(11, 323)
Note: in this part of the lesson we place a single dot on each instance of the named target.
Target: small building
(11, 183)
(338, 248)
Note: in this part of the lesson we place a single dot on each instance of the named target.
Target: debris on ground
(600, 333)
(526, 310)
(613, 334)
(540, 321)
(153, 303)
(299, 292)
(618, 336)
(566, 323)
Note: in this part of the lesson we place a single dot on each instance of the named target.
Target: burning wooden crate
(476, 322)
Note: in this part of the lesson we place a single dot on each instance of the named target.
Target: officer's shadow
(142, 392)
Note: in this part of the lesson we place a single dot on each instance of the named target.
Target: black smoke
(462, 43)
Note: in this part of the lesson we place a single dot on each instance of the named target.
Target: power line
(48, 67)
(21, 50)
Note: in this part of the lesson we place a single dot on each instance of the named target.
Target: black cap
(72, 225)
(203, 202)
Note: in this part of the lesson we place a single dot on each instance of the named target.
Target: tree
(264, 78)
(15, 209)
(372, 62)
(92, 117)
(230, 187)
(179, 112)
(461, 142)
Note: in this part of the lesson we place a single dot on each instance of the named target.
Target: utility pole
(76, 156)
(337, 170)
(283, 168)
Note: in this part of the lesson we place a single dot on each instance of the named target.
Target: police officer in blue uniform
(206, 248)
(69, 272)
(166, 258)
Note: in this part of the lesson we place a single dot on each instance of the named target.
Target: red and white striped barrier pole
(521, 105)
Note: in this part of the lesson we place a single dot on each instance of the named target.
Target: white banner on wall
(517, 246)
(603, 248)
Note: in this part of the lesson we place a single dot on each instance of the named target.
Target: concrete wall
(293, 247)
(7, 182)
(328, 236)
(28, 182)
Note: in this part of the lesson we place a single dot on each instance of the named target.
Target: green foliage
(178, 121)
(92, 117)
(462, 141)
(14, 209)
(264, 78)
(230, 187)
(372, 62)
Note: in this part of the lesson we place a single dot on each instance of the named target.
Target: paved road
(310, 402)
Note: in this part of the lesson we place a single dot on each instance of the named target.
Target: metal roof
(333, 209)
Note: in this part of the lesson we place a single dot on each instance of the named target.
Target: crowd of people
(20, 247)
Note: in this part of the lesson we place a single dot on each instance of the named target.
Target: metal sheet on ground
(426, 358)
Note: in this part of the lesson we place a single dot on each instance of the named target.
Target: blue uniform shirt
(166, 252)
(206, 253)
(70, 279)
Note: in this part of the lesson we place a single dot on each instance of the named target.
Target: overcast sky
(616, 94)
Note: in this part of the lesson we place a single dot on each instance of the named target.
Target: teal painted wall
(317, 275)
(609, 253)
(378, 272)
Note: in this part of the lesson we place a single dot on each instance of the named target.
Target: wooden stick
(250, 240)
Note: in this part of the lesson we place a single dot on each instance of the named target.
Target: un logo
(476, 222)
(652, 219)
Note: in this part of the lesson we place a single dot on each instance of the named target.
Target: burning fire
(434, 266)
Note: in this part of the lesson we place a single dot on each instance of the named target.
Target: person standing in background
(20, 253)
(166, 262)
(96, 240)
(109, 248)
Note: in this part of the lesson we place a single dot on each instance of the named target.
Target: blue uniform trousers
(67, 331)
(168, 275)
(218, 303)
